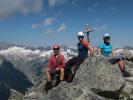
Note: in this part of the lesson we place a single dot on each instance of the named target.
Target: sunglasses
(56, 49)
(80, 36)
(107, 38)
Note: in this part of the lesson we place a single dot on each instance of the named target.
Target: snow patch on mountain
(16, 52)
(71, 52)
(68, 54)
(28, 54)
(46, 53)
(19, 51)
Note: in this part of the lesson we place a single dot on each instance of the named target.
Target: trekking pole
(87, 30)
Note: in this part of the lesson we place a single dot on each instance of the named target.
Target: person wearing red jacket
(56, 62)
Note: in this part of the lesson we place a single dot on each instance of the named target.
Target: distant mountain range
(128, 47)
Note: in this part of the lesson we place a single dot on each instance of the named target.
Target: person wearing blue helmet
(106, 50)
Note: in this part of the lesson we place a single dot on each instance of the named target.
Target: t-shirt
(106, 50)
(83, 49)
(56, 63)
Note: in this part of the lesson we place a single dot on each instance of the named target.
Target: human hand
(57, 69)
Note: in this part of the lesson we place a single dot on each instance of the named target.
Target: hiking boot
(126, 74)
(74, 69)
(48, 86)
(70, 78)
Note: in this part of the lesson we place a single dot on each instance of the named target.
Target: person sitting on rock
(56, 62)
(84, 49)
(105, 49)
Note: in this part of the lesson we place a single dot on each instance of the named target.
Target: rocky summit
(96, 79)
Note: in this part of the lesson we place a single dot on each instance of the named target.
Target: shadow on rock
(70, 72)
(11, 78)
(108, 94)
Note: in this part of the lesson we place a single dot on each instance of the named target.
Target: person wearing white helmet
(106, 35)
(106, 50)
(84, 50)
(83, 46)
(81, 34)
(106, 38)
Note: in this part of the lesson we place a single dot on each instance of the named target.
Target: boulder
(95, 79)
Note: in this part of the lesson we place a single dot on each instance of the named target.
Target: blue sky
(45, 22)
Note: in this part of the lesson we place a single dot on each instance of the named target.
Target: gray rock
(97, 74)
(129, 64)
(131, 97)
(128, 54)
(94, 80)
(129, 79)
(15, 95)
(128, 89)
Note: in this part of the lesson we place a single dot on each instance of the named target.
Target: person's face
(80, 38)
(107, 39)
(56, 51)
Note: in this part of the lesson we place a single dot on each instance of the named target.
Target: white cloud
(48, 21)
(100, 28)
(50, 30)
(112, 8)
(74, 2)
(62, 27)
(9, 8)
(93, 7)
(103, 27)
(90, 9)
(35, 26)
(55, 2)
(95, 4)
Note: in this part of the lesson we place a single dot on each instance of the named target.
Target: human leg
(61, 74)
(48, 76)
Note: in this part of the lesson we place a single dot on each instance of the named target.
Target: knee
(47, 71)
(121, 62)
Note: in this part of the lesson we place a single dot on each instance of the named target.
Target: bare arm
(49, 65)
(90, 48)
(113, 53)
(99, 51)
